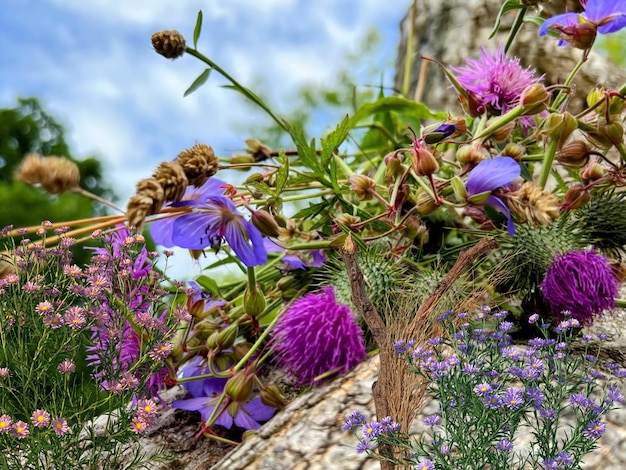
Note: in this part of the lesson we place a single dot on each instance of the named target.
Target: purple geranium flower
(488, 176)
(581, 282)
(495, 80)
(317, 335)
(603, 16)
(214, 218)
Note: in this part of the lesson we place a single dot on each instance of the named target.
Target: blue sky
(92, 64)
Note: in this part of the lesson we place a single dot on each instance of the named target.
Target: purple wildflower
(20, 430)
(536, 396)
(363, 446)
(490, 175)
(354, 419)
(581, 282)
(600, 16)
(495, 80)
(425, 465)
(504, 446)
(214, 218)
(432, 420)
(533, 318)
(594, 430)
(372, 429)
(5, 424)
(513, 398)
(317, 335)
(40, 418)
(492, 401)
(564, 459)
(482, 389)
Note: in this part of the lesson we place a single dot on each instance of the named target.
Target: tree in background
(29, 128)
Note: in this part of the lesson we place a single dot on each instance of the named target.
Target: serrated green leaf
(311, 211)
(198, 82)
(209, 284)
(197, 30)
(392, 103)
(306, 153)
(334, 140)
(506, 7)
(283, 172)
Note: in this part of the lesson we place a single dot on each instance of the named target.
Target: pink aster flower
(139, 425)
(44, 307)
(66, 367)
(60, 426)
(4, 372)
(582, 283)
(161, 350)
(317, 335)
(495, 80)
(5, 424)
(75, 317)
(20, 430)
(40, 418)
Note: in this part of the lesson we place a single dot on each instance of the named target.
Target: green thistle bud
(239, 386)
(272, 396)
(603, 221)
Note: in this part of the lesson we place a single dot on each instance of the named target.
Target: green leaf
(198, 82)
(538, 21)
(209, 284)
(393, 103)
(506, 7)
(283, 172)
(306, 152)
(334, 140)
(311, 211)
(197, 30)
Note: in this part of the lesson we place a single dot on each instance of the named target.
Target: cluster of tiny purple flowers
(39, 419)
(478, 375)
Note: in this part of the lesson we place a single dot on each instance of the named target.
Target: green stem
(343, 166)
(562, 94)
(546, 166)
(519, 20)
(500, 122)
(243, 90)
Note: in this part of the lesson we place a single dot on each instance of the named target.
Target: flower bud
(575, 197)
(272, 396)
(416, 231)
(226, 338)
(533, 99)
(459, 188)
(503, 133)
(613, 131)
(170, 44)
(592, 172)
(363, 186)
(239, 386)
(515, 151)
(471, 105)
(461, 126)
(425, 204)
(266, 224)
(254, 178)
(211, 342)
(394, 166)
(253, 301)
(347, 220)
(423, 162)
(574, 154)
(240, 158)
(580, 35)
(240, 350)
(560, 126)
(470, 155)
(440, 133)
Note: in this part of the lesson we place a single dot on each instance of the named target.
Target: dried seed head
(55, 174)
(172, 179)
(170, 44)
(148, 200)
(199, 164)
(531, 203)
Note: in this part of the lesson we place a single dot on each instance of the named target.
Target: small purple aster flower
(40, 418)
(602, 16)
(513, 398)
(504, 446)
(492, 401)
(20, 430)
(533, 318)
(432, 420)
(581, 282)
(482, 389)
(535, 396)
(317, 335)
(372, 429)
(425, 465)
(490, 175)
(495, 80)
(564, 459)
(594, 430)
(363, 446)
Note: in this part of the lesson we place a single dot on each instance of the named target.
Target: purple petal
(489, 175)
(617, 23)
(240, 234)
(161, 232)
(292, 262)
(597, 10)
(259, 410)
(193, 404)
(502, 207)
(319, 258)
(190, 231)
(566, 19)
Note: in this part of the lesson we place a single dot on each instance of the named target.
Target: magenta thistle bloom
(490, 175)
(495, 80)
(581, 282)
(60, 426)
(317, 335)
(603, 16)
(214, 218)
(20, 430)
(5, 424)
(40, 418)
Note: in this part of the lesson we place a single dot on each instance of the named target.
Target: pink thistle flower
(317, 335)
(20, 430)
(75, 317)
(160, 351)
(581, 282)
(66, 367)
(5, 424)
(495, 80)
(40, 418)
(60, 426)
(44, 307)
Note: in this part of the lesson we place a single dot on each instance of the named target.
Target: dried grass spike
(172, 179)
(199, 163)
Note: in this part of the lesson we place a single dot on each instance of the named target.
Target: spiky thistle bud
(169, 43)
(55, 174)
(199, 163)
